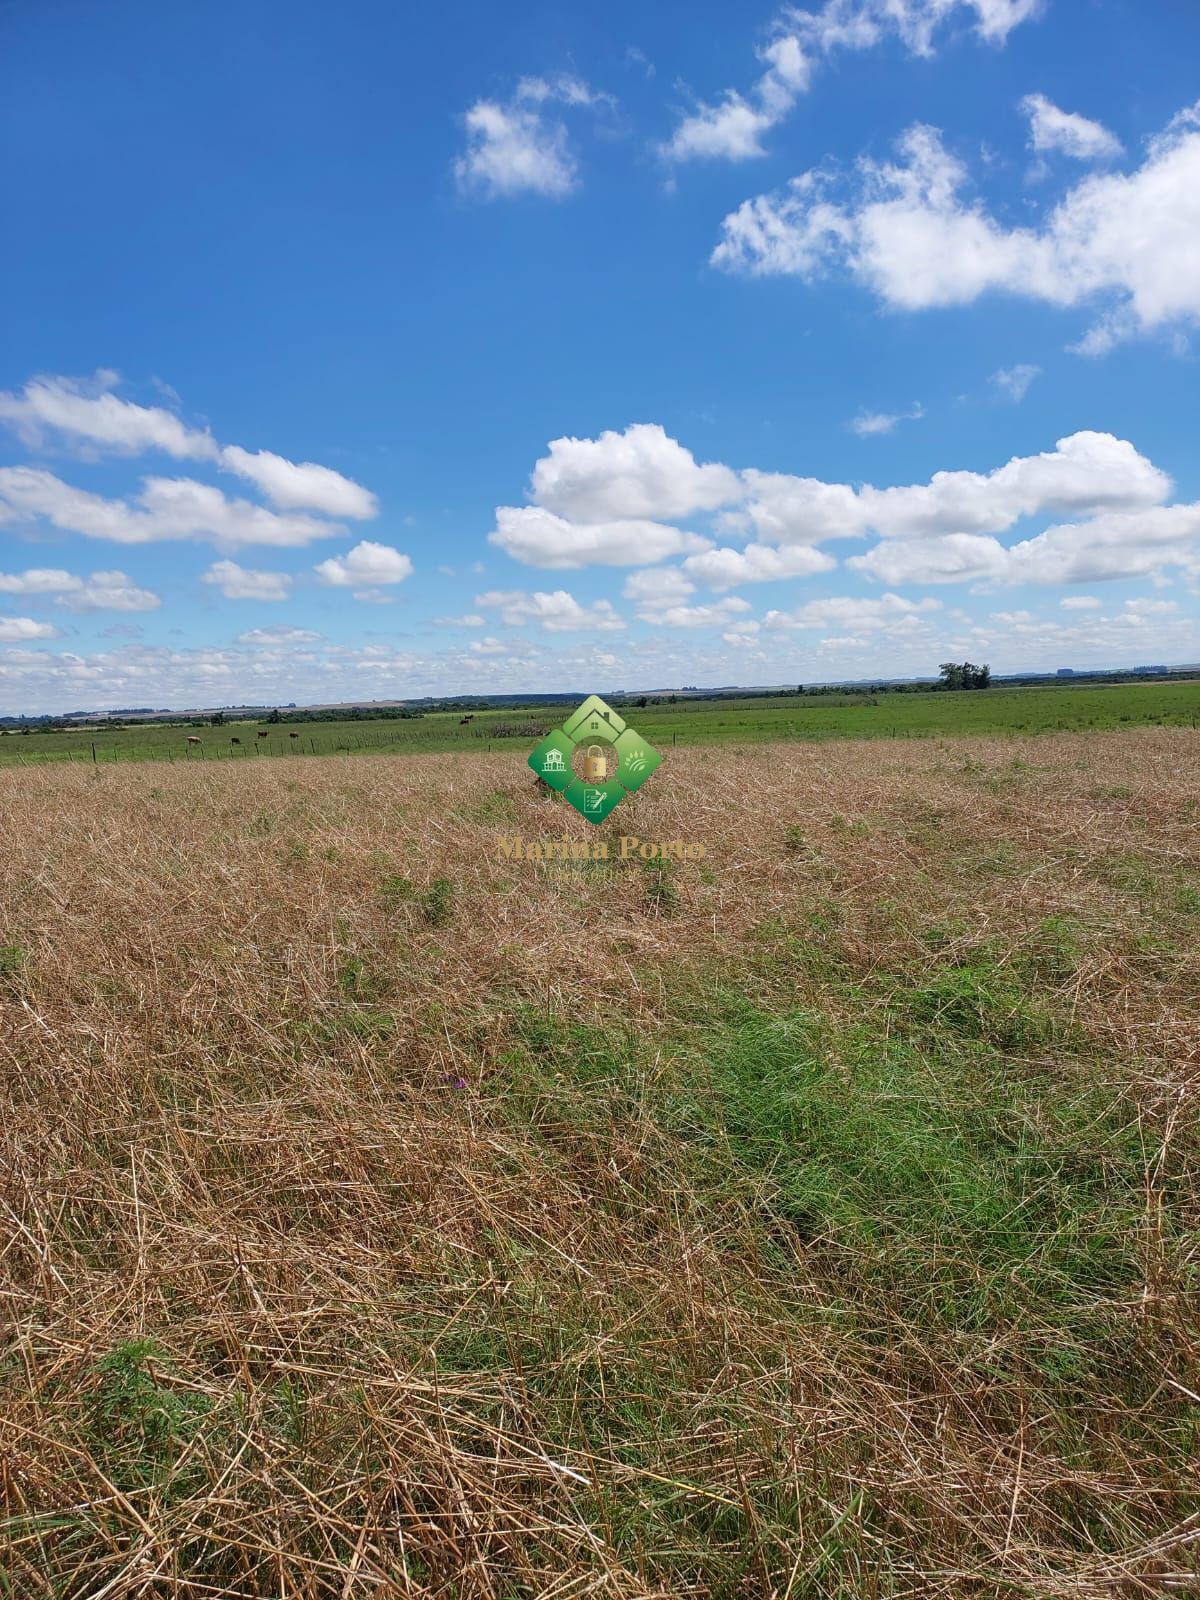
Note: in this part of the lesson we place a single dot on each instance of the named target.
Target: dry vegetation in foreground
(378, 1218)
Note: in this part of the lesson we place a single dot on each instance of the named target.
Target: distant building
(1065, 672)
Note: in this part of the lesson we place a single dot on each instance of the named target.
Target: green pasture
(1050, 708)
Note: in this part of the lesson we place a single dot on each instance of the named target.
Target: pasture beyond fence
(741, 719)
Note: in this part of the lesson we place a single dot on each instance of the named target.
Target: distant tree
(218, 719)
(275, 716)
(964, 675)
(642, 701)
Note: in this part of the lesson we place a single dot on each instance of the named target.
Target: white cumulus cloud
(1066, 131)
(109, 591)
(86, 411)
(300, 485)
(279, 634)
(719, 614)
(365, 566)
(658, 585)
(14, 630)
(641, 472)
(242, 583)
(539, 538)
(891, 613)
(757, 563)
(519, 146)
(733, 127)
(557, 612)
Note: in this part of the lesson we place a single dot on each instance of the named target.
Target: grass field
(818, 1220)
(1056, 708)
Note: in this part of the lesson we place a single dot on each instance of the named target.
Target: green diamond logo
(594, 760)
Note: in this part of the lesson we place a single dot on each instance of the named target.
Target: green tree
(964, 675)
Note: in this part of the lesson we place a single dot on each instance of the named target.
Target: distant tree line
(279, 714)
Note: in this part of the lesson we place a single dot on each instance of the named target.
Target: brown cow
(235, 741)
(293, 735)
(264, 733)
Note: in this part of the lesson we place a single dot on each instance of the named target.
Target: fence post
(93, 755)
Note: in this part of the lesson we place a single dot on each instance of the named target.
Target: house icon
(552, 761)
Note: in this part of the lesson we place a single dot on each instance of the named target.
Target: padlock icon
(595, 766)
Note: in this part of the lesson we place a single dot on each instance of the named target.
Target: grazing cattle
(264, 733)
(235, 741)
(293, 735)
(193, 738)
(462, 721)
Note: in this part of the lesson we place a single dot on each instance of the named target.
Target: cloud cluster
(241, 583)
(907, 231)
(821, 641)
(601, 501)
(852, 616)
(102, 591)
(87, 414)
(162, 509)
(88, 417)
(1107, 498)
(732, 128)
(557, 612)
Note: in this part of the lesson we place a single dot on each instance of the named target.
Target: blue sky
(370, 351)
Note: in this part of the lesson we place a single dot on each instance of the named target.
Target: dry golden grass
(323, 1274)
